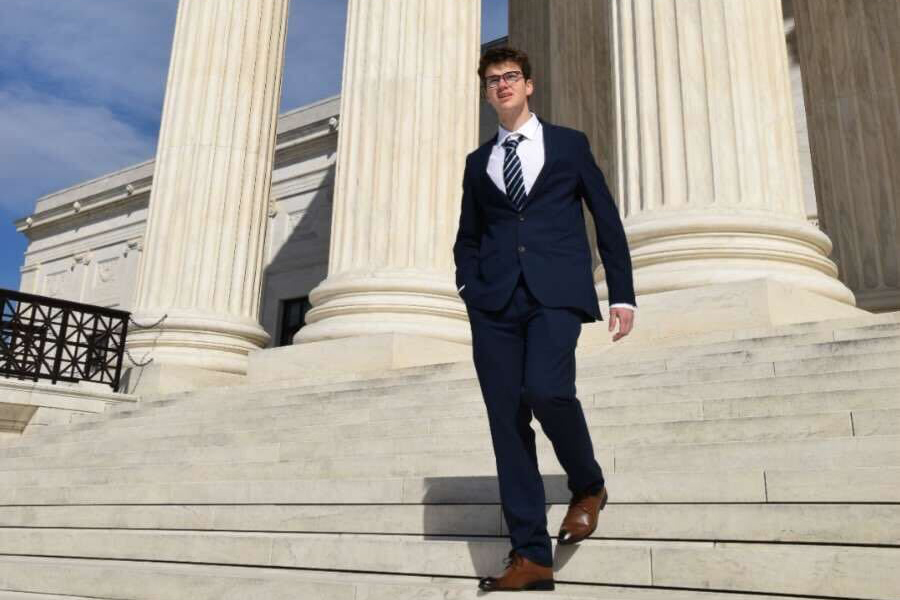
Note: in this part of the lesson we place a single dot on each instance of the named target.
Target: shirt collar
(529, 129)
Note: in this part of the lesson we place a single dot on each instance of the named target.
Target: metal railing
(59, 340)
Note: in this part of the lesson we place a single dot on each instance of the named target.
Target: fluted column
(409, 107)
(708, 174)
(203, 251)
(850, 59)
(568, 45)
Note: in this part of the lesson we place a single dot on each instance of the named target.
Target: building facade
(85, 242)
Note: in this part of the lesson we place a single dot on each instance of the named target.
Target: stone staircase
(742, 464)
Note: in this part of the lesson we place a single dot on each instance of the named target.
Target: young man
(523, 269)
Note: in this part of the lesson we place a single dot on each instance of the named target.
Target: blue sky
(82, 85)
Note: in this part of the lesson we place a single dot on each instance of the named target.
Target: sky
(82, 85)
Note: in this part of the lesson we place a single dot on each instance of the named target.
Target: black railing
(45, 338)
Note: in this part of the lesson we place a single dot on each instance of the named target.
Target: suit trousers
(524, 357)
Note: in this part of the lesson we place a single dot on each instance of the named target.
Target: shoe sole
(544, 585)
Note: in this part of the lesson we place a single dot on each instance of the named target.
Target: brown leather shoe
(581, 519)
(520, 574)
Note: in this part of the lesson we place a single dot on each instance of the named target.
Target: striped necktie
(512, 172)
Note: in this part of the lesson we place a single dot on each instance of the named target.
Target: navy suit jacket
(547, 241)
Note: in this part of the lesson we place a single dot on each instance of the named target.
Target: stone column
(568, 45)
(409, 107)
(203, 251)
(850, 61)
(708, 176)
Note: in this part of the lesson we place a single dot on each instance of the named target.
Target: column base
(725, 307)
(194, 341)
(157, 379)
(692, 248)
(357, 354)
(364, 304)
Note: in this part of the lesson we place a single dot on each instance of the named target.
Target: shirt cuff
(623, 305)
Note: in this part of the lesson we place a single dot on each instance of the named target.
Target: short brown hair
(503, 54)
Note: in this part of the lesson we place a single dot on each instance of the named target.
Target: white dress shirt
(530, 151)
(531, 155)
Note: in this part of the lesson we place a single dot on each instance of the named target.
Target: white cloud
(49, 143)
(83, 81)
(109, 52)
(80, 92)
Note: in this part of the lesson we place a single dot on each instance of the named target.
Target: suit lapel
(547, 130)
(482, 167)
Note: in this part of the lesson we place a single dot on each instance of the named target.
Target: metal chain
(136, 363)
(139, 326)
(157, 324)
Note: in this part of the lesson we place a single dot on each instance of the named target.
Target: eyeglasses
(509, 77)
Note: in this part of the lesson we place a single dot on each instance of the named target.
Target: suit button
(521, 248)
(521, 218)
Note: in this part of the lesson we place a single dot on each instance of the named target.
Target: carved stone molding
(83, 258)
(135, 245)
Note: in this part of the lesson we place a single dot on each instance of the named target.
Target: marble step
(723, 355)
(865, 572)
(586, 365)
(249, 446)
(478, 484)
(467, 488)
(285, 442)
(321, 413)
(12, 595)
(647, 360)
(460, 418)
(821, 331)
(140, 580)
(188, 410)
(762, 522)
(474, 478)
(374, 380)
(457, 415)
(469, 415)
(317, 456)
(834, 453)
(252, 447)
(644, 374)
(471, 403)
(865, 370)
(650, 372)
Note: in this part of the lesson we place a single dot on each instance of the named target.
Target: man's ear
(529, 87)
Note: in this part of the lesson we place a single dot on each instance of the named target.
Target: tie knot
(512, 141)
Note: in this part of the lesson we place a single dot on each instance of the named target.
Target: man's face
(507, 97)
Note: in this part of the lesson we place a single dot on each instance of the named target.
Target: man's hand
(625, 318)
